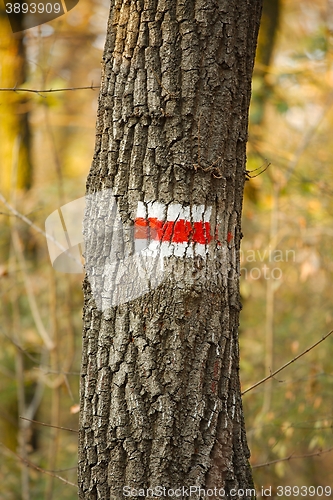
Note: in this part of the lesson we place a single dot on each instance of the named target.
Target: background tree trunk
(270, 19)
(160, 391)
(15, 144)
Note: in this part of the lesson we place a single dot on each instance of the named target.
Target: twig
(36, 91)
(30, 464)
(37, 229)
(292, 457)
(308, 136)
(46, 370)
(29, 222)
(49, 425)
(30, 293)
(17, 345)
(62, 470)
(31, 409)
(248, 172)
(287, 364)
(259, 168)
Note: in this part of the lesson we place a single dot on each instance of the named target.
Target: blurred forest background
(46, 146)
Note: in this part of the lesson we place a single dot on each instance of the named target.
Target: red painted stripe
(179, 231)
(229, 237)
(141, 229)
(202, 232)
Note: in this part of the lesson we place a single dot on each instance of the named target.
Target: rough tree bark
(160, 391)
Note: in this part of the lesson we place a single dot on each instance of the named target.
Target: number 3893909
(33, 8)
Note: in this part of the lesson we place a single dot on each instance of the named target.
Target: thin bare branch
(37, 229)
(7, 214)
(49, 425)
(47, 370)
(30, 464)
(17, 345)
(259, 168)
(47, 91)
(287, 364)
(248, 172)
(292, 457)
(30, 293)
(62, 470)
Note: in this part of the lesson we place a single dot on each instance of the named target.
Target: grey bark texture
(160, 391)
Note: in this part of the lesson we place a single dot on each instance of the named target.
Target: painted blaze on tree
(160, 392)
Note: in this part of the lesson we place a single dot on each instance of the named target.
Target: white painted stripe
(173, 212)
(156, 210)
(197, 213)
(177, 212)
(141, 211)
(151, 209)
(200, 214)
(165, 249)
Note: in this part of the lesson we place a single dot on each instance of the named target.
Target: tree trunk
(266, 42)
(160, 393)
(15, 135)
